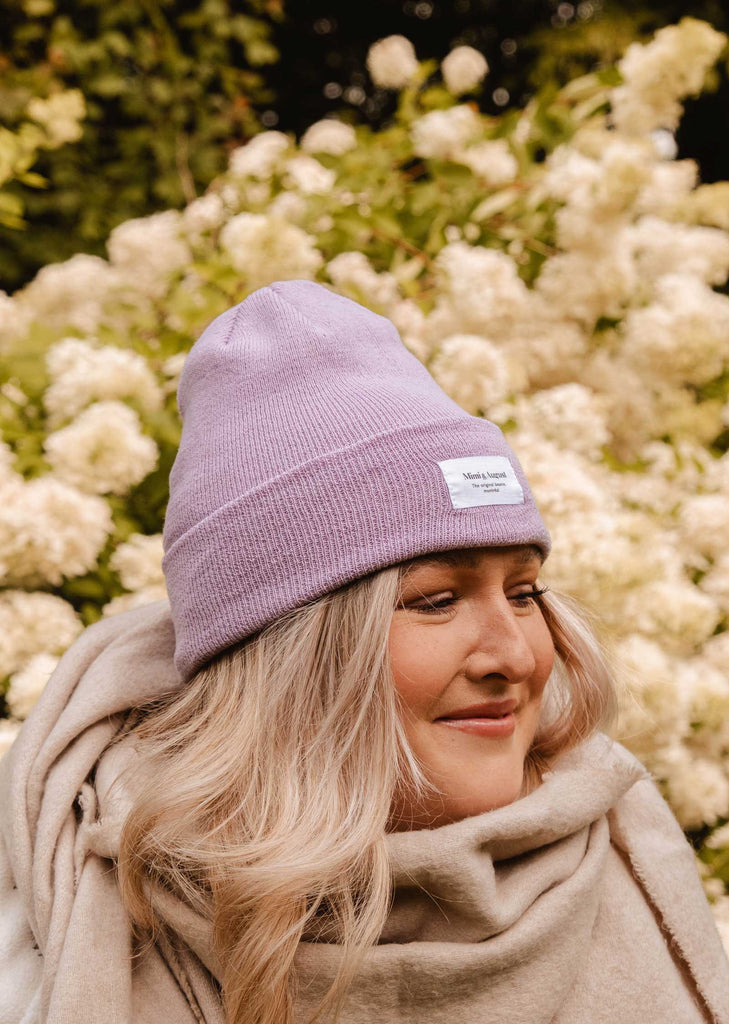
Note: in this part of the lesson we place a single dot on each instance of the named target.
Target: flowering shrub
(556, 269)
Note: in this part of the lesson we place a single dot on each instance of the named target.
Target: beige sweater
(579, 904)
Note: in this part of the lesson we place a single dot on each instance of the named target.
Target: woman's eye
(528, 597)
(433, 606)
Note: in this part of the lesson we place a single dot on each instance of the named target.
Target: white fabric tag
(482, 480)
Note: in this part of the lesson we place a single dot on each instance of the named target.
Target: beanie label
(481, 480)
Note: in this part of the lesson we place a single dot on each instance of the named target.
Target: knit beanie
(315, 450)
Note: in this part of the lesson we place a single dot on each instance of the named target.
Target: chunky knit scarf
(578, 904)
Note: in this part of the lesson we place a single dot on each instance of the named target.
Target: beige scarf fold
(580, 903)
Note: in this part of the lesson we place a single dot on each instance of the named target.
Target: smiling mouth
(493, 726)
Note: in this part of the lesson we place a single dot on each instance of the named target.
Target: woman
(357, 764)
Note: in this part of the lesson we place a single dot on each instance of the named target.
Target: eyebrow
(468, 557)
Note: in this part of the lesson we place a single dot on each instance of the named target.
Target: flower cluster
(576, 300)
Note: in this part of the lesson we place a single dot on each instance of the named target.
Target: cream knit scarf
(580, 903)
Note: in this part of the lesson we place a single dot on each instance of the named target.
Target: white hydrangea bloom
(308, 175)
(353, 274)
(392, 62)
(82, 373)
(676, 612)
(260, 157)
(139, 561)
(657, 75)
(662, 247)
(49, 531)
(654, 707)
(707, 691)
(60, 115)
(704, 523)
(463, 69)
(27, 685)
(682, 336)
(8, 733)
(206, 213)
(72, 293)
(698, 788)
(148, 251)
(31, 623)
(288, 206)
(571, 415)
(718, 839)
(103, 451)
(550, 350)
(125, 602)
(668, 186)
(443, 134)
(14, 319)
(265, 249)
(479, 286)
(329, 136)
(716, 581)
(473, 371)
(492, 161)
(586, 286)
(716, 651)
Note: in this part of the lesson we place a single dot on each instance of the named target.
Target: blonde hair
(264, 789)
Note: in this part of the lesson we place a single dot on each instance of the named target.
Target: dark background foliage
(171, 86)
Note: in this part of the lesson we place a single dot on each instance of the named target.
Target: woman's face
(467, 633)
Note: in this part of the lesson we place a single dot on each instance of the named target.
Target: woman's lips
(489, 727)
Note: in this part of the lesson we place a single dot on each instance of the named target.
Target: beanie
(315, 450)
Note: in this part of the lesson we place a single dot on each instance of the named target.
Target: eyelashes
(523, 600)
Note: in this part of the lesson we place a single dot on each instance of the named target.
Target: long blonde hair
(264, 786)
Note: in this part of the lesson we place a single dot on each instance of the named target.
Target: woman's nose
(500, 645)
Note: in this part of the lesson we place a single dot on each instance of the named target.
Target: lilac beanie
(317, 449)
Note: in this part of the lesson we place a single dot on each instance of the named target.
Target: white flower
(288, 206)
(27, 685)
(329, 136)
(682, 336)
(492, 161)
(308, 175)
(31, 623)
(716, 581)
(203, 214)
(72, 293)
(716, 651)
(265, 249)
(707, 691)
(125, 602)
(353, 274)
(49, 531)
(14, 319)
(82, 373)
(675, 612)
(463, 69)
(668, 187)
(662, 247)
(392, 62)
(654, 707)
(61, 115)
(588, 286)
(260, 157)
(103, 451)
(8, 734)
(657, 75)
(139, 561)
(705, 524)
(571, 415)
(442, 134)
(698, 789)
(480, 286)
(473, 371)
(148, 251)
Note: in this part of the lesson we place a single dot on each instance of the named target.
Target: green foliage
(169, 87)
